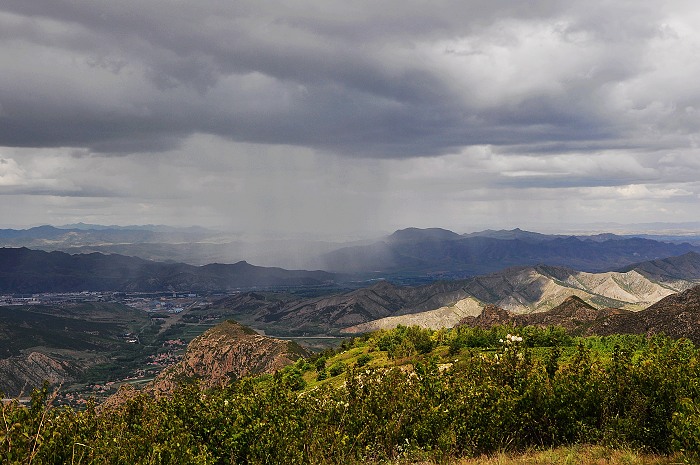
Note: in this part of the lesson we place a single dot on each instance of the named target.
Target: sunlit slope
(537, 289)
(447, 316)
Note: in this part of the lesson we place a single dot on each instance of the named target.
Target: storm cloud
(399, 112)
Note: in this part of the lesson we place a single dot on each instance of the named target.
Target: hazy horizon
(341, 119)
(657, 228)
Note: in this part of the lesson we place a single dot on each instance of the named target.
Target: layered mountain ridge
(444, 253)
(519, 290)
(29, 271)
(676, 316)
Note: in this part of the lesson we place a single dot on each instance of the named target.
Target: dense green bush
(500, 393)
(336, 369)
(363, 360)
(405, 341)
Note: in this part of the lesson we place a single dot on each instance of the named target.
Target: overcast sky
(344, 116)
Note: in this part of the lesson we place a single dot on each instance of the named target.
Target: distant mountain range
(520, 289)
(443, 253)
(407, 255)
(194, 245)
(503, 268)
(31, 271)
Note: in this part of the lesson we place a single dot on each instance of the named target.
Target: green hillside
(402, 396)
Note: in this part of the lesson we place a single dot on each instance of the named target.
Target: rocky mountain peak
(574, 307)
(220, 355)
(226, 352)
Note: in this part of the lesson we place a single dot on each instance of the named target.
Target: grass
(574, 455)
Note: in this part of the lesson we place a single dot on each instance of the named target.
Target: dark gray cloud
(396, 79)
(399, 112)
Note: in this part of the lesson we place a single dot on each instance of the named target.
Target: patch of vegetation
(474, 392)
(337, 368)
(363, 360)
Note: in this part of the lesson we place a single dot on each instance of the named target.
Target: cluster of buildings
(48, 298)
(160, 303)
(170, 304)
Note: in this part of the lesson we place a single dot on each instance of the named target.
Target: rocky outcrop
(224, 353)
(220, 355)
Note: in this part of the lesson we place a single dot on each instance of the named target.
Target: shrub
(363, 360)
(336, 369)
(320, 364)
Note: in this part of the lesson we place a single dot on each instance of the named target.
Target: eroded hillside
(227, 352)
(538, 289)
